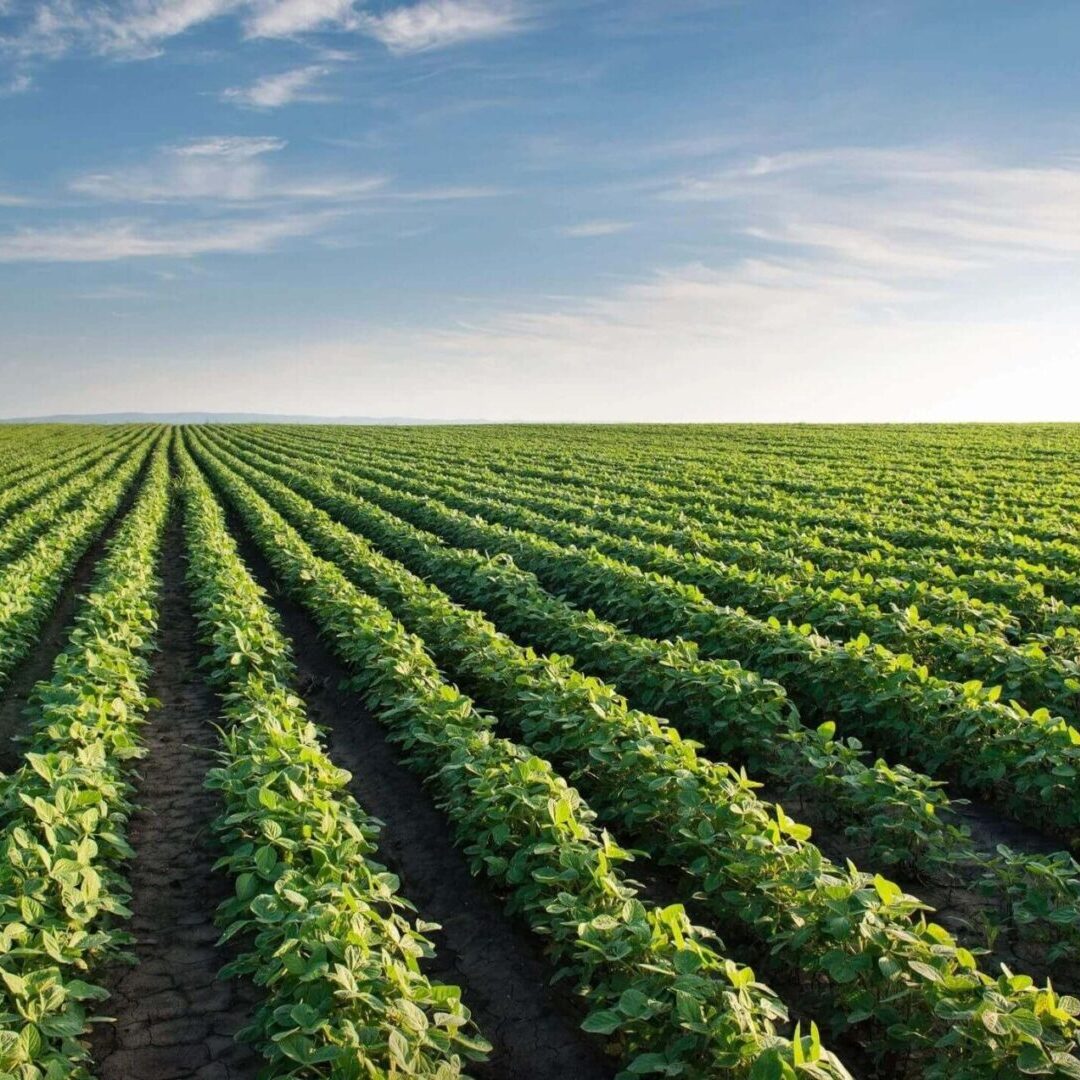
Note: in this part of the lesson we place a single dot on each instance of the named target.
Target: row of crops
(768, 738)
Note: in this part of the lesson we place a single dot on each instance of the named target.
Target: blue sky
(541, 209)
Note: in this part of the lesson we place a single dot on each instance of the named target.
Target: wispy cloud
(436, 24)
(134, 28)
(274, 91)
(229, 147)
(446, 194)
(588, 229)
(859, 292)
(909, 212)
(115, 240)
(220, 169)
(19, 83)
(139, 29)
(760, 338)
(285, 18)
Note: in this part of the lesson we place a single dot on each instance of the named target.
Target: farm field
(539, 752)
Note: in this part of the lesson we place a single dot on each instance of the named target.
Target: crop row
(748, 864)
(31, 584)
(915, 515)
(44, 471)
(824, 470)
(62, 492)
(64, 812)
(730, 522)
(29, 457)
(654, 983)
(763, 553)
(322, 925)
(725, 493)
(899, 816)
(1024, 762)
(1030, 675)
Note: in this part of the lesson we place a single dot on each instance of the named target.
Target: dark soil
(174, 1018)
(497, 962)
(52, 638)
(989, 827)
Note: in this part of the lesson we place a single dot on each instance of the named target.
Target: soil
(174, 1018)
(498, 963)
(52, 638)
(989, 827)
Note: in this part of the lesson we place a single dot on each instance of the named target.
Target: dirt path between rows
(174, 1019)
(497, 962)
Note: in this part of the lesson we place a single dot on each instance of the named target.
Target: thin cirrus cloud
(234, 169)
(228, 169)
(19, 83)
(436, 24)
(140, 29)
(584, 230)
(216, 175)
(285, 18)
(857, 291)
(284, 88)
(136, 29)
(112, 241)
(896, 211)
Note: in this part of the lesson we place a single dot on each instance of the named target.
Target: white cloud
(114, 240)
(133, 29)
(139, 29)
(890, 285)
(274, 91)
(284, 18)
(228, 169)
(19, 83)
(446, 194)
(231, 147)
(436, 24)
(909, 212)
(757, 340)
(589, 229)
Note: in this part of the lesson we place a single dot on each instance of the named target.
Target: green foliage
(654, 983)
(320, 922)
(903, 817)
(64, 812)
(31, 583)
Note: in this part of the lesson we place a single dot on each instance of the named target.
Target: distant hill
(220, 418)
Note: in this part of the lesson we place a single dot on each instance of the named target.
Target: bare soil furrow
(497, 962)
(175, 1019)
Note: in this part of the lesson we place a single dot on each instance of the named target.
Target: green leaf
(265, 860)
(31, 1042)
(770, 1066)
(889, 891)
(634, 1003)
(648, 1063)
(84, 991)
(602, 1022)
(265, 908)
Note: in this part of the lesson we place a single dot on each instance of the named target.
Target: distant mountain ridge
(222, 418)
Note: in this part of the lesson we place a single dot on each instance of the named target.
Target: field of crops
(539, 752)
